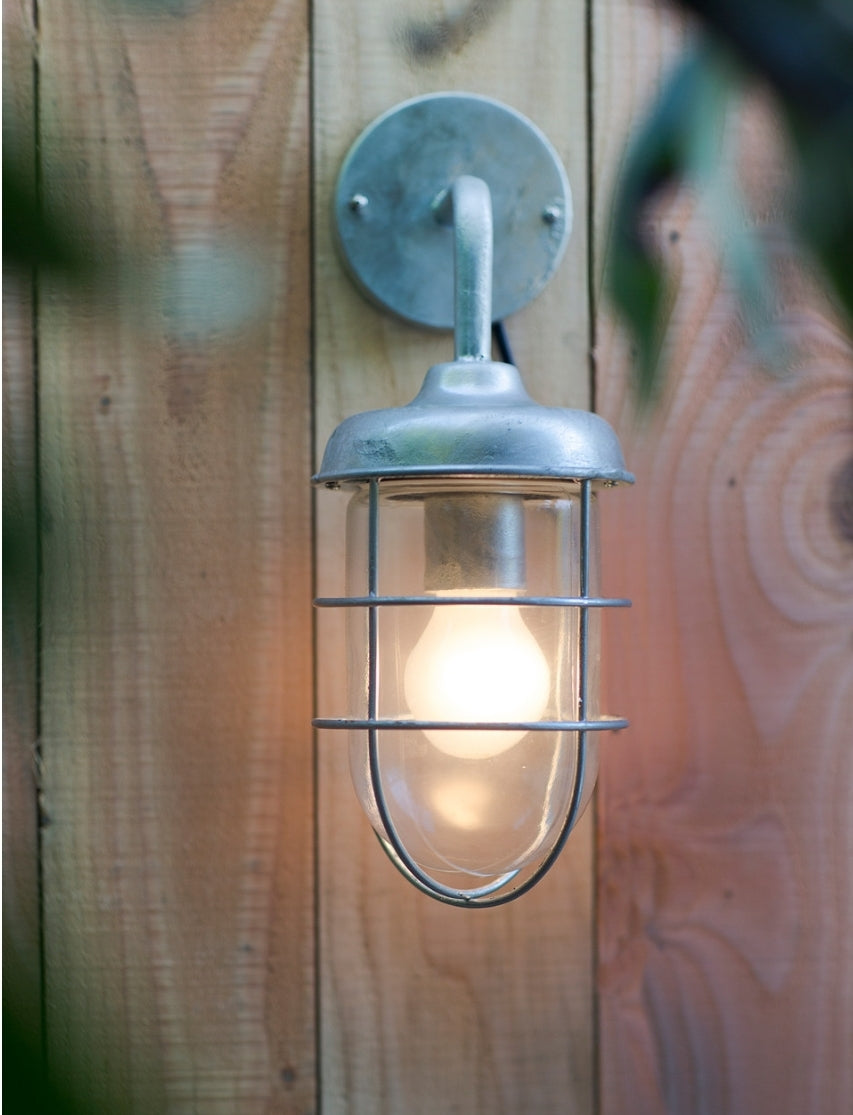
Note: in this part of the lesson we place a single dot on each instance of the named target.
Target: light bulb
(477, 663)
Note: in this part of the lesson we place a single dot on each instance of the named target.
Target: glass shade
(471, 630)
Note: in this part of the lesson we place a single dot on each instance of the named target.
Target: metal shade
(473, 418)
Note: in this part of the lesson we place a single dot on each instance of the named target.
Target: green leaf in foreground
(635, 276)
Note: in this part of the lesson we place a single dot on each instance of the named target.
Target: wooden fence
(197, 917)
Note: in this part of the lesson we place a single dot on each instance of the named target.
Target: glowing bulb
(477, 663)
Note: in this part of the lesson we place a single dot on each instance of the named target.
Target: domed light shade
(472, 555)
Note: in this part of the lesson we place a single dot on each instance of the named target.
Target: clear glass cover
(470, 803)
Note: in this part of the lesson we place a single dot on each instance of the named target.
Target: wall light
(472, 547)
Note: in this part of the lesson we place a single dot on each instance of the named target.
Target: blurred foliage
(802, 52)
(31, 237)
(27, 1089)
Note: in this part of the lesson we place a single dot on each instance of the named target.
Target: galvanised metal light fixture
(472, 547)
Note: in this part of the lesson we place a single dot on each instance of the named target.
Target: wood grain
(177, 561)
(21, 918)
(726, 822)
(173, 406)
(424, 1008)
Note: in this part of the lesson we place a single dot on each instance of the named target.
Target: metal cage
(373, 724)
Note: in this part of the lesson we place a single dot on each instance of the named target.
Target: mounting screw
(551, 214)
(358, 203)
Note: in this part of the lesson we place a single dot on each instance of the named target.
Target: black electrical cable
(501, 342)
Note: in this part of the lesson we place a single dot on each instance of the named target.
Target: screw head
(358, 203)
(551, 214)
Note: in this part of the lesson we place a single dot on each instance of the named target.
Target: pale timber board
(426, 1008)
(726, 812)
(22, 974)
(177, 562)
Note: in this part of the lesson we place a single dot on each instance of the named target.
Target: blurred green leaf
(824, 209)
(30, 237)
(802, 51)
(27, 1089)
(713, 166)
(658, 157)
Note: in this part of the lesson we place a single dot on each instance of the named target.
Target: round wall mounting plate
(399, 168)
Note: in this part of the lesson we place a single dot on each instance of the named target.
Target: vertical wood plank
(177, 561)
(727, 812)
(426, 1008)
(22, 976)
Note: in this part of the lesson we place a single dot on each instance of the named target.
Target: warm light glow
(463, 803)
(477, 662)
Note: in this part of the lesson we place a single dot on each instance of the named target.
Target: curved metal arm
(468, 206)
